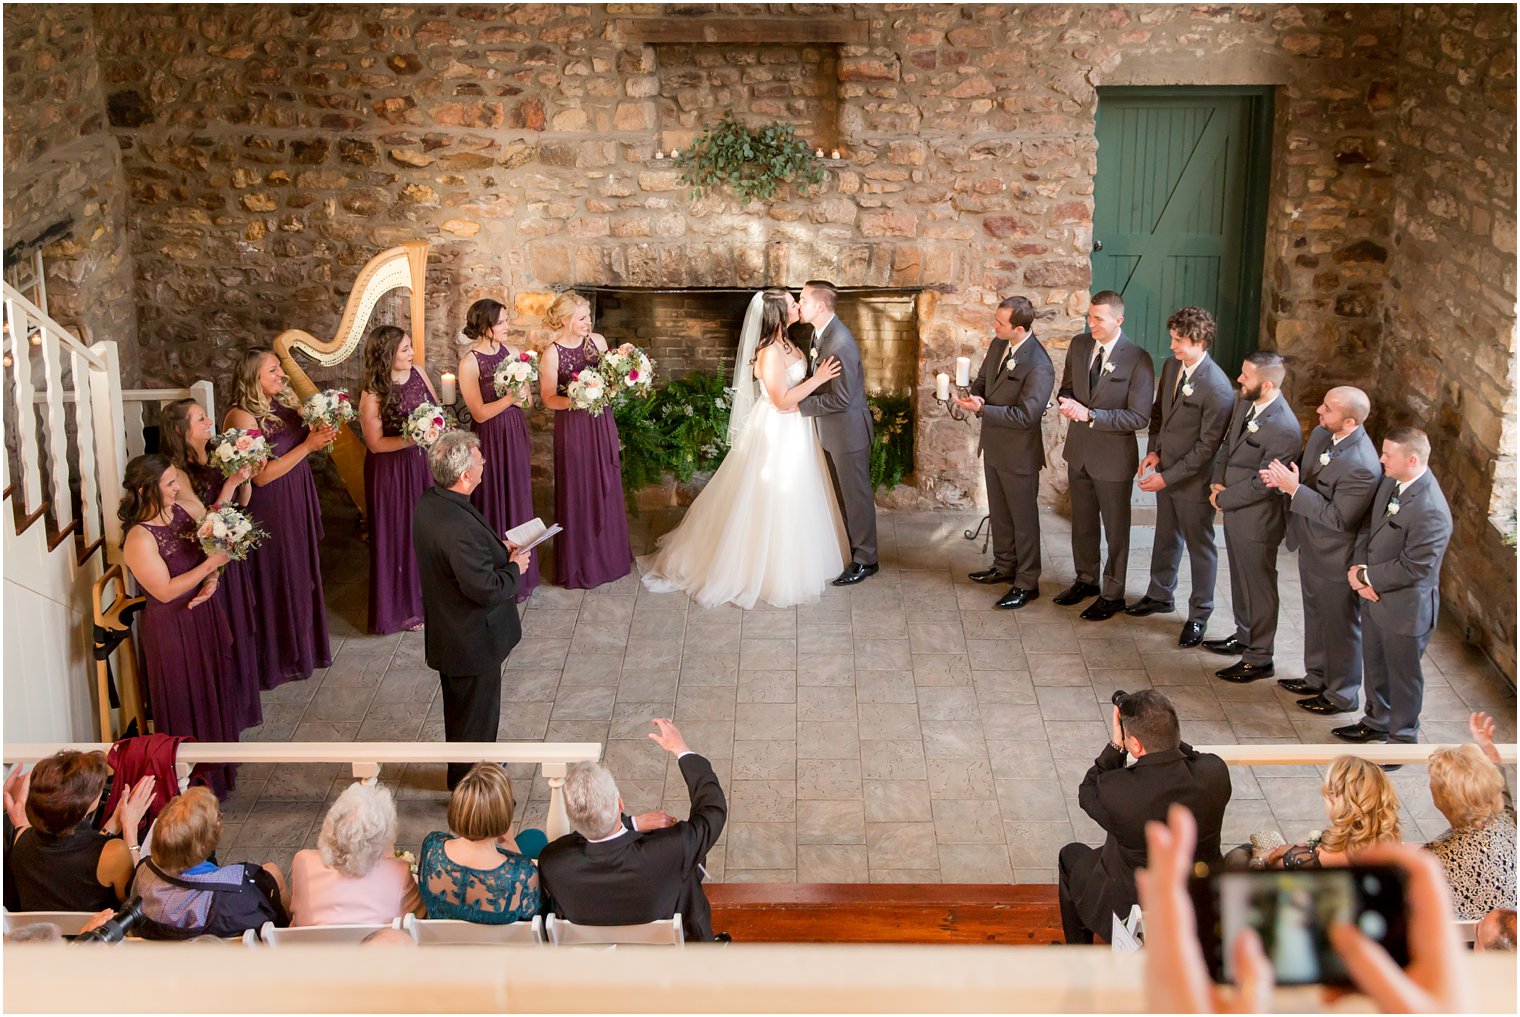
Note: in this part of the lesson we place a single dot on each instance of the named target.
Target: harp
(403, 267)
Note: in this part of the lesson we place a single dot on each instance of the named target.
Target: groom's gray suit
(845, 432)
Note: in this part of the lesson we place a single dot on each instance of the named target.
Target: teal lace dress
(499, 896)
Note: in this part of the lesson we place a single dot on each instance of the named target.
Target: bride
(767, 526)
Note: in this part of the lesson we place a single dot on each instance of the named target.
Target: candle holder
(956, 413)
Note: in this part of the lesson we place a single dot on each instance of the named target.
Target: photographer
(1096, 884)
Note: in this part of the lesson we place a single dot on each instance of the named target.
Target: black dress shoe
(1017, 598)
(990, 577)
(1241, 673)
(1319, 704)
(855, 573)
(1230, 647)
(1145, 606)
(1076, 593)
(1359, 734)
(1102, 609)
(1192, 634)
(1298, 687)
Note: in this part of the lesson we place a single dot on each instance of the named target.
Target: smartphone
(1292, 911)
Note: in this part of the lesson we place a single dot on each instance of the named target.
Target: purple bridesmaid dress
(505, 497)
(393, 481)
(588, 488)
(287, 568)
(186, 654)
(239, 604)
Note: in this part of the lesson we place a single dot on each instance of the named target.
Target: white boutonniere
(813, 353)
(1108, 367)
(1012, 363)
(1252, 426)
(1393, 505)
(1187, 389)
(1325, 457)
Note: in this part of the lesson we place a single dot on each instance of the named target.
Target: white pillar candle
(819, 153)
(659, 153)
(449, 389)
(963, 371)
(942, 386)
(836, 154)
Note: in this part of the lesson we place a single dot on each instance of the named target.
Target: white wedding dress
(767, 525)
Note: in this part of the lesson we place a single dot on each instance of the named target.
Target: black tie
(1094, 370)
(1177, 386)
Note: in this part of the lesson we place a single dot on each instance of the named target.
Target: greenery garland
(753, 163)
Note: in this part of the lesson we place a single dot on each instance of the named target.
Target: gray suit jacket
(1403, 555)
(1120, 403)
(1327, 510)
(839, 406)
(1188, 430)
(1246, 501)
(1011, 436)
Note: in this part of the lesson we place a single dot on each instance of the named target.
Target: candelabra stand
(956, 413)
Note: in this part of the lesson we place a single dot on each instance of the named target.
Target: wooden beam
(745, 31)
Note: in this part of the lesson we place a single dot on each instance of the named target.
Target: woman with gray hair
(354, 877)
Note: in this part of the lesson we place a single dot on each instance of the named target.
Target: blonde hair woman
(1478, 852)
(474, 875)
(1363, 810)
(353, 876)
(588, 469)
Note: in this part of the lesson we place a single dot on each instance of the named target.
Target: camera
(117, 926)
(1118, 697)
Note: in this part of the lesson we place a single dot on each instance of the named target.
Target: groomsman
(1397, 573)
(1188, 420)
(1106, 394)
(1262, 429)
(1010, 393)
(1329, 493)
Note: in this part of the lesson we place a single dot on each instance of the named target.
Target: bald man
(1329, 494)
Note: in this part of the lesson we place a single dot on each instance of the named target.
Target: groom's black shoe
(1017, 598)
(855, 573)
(990, 577)
(1076, 593)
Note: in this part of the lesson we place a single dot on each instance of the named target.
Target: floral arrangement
(426, 424)
(892, 449)
(517, 375)
(628, 370)
(328, 408)
(226, 530)
(234, 449)
(589, 391)
(410, 860)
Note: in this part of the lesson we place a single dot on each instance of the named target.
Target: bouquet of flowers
(518, 375)
(224, 529)
(627, 369)
(329, 408)
(426, 424)
(234, 449)
(589, 391)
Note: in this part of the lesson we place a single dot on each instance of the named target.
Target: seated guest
(185, 894)
(59, 861)
(1496, 931)
(1097, 884)
(1478, 851)
(609, 873)
(1363, 809)
(354, 877)
(474, 876)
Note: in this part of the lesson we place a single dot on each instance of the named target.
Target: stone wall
(759, 84)
(64, 188)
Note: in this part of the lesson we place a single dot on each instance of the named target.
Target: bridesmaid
(505, 497)
(588, 469)
(395, 475)
(184, 432)
(287, 569)
(186, 644)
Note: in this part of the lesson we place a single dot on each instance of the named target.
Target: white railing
(135, 400)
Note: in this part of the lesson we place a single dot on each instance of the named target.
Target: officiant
(470, 579)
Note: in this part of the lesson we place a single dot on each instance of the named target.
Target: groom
(844, 426)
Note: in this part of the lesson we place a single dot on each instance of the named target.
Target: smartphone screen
(1292, 911)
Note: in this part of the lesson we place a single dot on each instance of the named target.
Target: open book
(531, 533)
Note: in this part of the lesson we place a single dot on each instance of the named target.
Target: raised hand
(1483, 728)
(668, 737)
(16, 787)
(1281, 478)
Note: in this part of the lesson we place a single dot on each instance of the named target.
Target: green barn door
(1180, 207)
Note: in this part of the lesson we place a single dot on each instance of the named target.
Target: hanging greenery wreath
(751, 162)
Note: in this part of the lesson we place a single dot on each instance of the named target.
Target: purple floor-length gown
(187, 654)
(287, 568)
(239, 604)
(393, 481)
(588, 488)
(505, 496)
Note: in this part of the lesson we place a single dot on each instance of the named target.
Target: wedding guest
(474, 875)
(353, 876)
(1496, 931)
(185, 431)
(506, 496)
(1363, 809)
(186, 644)
(588, 468)
(287, 569)
(395, 475)
(1478, 852)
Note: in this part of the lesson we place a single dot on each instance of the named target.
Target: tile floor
(900, 730)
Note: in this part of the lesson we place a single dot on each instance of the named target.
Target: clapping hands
(1074, 411)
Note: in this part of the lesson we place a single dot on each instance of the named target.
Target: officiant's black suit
(469, 611)
(845, 432)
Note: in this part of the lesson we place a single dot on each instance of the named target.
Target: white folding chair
(666, 932)
(451, 932)
(69, 922)
(295, 936)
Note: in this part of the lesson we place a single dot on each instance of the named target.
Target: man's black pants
(1076, 863)
(471, 712)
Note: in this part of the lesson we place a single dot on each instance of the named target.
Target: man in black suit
(1192, 409)
(469, 594)
(1329, 494)
(1263, 428)
(1096, 884)
(608, 873)
(1106, 394)
(1010, 393)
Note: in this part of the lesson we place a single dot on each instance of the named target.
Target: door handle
(1097, 245)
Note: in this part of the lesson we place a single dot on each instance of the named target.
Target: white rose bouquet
(234, 449)
(517, 375)
(426, 424)
(229, 531)
(627, 369)
(589, 391)
(328, 408)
